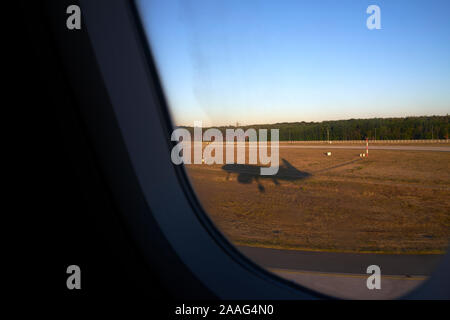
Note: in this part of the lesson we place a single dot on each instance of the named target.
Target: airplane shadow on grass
(247, 173)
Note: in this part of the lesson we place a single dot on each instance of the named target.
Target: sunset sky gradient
(257, 62)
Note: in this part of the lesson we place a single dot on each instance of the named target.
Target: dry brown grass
(392, 202)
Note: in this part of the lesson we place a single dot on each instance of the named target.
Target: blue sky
(256, 62)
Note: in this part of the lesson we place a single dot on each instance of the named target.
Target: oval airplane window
(315, 133)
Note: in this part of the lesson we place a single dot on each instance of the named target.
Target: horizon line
(293, 122)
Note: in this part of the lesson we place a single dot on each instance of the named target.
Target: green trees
(430, 127)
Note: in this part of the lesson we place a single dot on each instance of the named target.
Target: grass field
(392, 202)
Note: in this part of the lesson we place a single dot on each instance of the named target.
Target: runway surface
(335, 262)
(344, 275)
(371, 147)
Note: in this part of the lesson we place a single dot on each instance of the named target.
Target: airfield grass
(392, 202)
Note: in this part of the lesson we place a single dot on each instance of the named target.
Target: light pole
(367, 147)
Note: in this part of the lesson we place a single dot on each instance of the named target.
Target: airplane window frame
(130, 78)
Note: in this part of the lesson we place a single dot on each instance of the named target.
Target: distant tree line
(431, 127)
